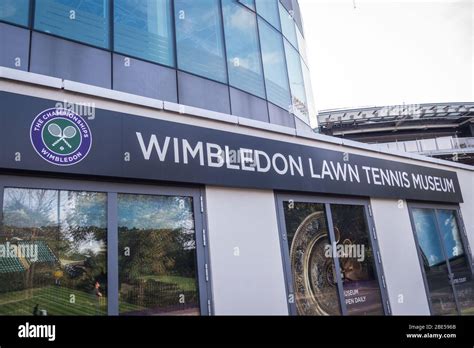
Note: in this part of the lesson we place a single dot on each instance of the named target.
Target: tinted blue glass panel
(273, 56)
(298, 96)
(268, 9)
(144, 29)
(243, 51)
(199, 38)
(15, 11)
(450, 233)
(310, 106)
(81, 20)
(249, 3)
(288, 26)
(427, 234)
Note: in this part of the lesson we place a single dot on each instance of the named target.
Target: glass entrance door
(445, 260)
(157, 255)
(332, 263)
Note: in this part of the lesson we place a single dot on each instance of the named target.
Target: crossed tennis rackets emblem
(62, 134)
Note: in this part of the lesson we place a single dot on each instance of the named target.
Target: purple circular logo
(61, 137)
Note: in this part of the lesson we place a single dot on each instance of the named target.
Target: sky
(385, 52)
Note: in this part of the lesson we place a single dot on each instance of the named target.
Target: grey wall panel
(280, 116)
(248, 106)
(246, 263)
(203, 93)
(71, 61)
(14, 46)
(145, 79)
(406, 289)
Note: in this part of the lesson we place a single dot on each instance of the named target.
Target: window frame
(327, 201)
(112, 189)
(462, 232)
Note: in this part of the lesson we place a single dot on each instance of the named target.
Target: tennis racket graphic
(62, 134)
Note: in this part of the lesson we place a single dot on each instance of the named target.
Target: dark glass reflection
(357, 260)
(458, 260)
(157, 256)
(434, 262)
(314, 278)
(57, 262)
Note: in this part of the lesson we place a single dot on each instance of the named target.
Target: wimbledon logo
(60, 137)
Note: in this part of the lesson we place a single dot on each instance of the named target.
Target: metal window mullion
(337, 266)
(2, 189)
(111, 14)
(284, 247)
(204, 279)
(261, 63)
(371, 230)
(112, 254)
(224, 47)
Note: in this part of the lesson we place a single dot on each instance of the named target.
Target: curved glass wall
(255, 46)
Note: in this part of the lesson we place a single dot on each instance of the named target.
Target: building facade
(140, 179)
(442, 130)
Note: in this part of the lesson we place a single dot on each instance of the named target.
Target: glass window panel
(81, 20)
(249, 3)
(268, 9)
(434, 262)
(199, 38)
(444, 143)
(458, 260)
(15, 11)
(310, 115)
(243, 51)
(143, 29)
(302, 46)
(157, 256)
(57, 263)
(357, 260)
(295, 73)
(288, 26)
(314, 278)
(274, 66)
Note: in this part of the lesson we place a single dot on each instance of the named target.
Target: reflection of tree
(156, 239)
(84, 235)
(66, 221)
(28, 216)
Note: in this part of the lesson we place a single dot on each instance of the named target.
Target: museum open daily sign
(36, 135)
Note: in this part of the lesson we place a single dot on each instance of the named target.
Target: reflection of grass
(184, 283)
(55, 299)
